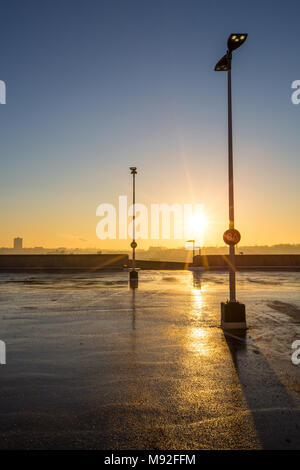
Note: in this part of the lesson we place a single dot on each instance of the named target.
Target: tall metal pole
(133, 221)
(232, 289)
(133, 274)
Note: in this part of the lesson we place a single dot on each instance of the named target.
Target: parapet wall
(249, 261)
(152, 264)
(62, 262)
(100, 262)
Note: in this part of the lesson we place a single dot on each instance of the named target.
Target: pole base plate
(133, 279)
(233, 316)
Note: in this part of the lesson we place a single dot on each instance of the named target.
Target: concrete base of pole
(233, 316)
(133, 279)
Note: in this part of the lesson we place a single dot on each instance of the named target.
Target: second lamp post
(133, 274)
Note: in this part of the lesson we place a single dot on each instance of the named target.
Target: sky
(94, 87)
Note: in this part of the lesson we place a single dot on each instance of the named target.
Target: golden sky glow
(79, 113)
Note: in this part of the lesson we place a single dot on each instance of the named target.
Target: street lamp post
(193, 242)
(232, 313)
(133, 274)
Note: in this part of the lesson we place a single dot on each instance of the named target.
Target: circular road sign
(232, 236)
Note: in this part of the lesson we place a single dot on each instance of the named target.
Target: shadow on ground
(275, 414)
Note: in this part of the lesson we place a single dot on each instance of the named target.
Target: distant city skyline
(96, 87)
(157, 252)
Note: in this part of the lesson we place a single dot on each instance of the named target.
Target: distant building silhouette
(18, 243)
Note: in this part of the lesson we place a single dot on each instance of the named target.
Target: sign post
(133, 274)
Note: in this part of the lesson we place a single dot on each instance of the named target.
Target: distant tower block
(18, 243)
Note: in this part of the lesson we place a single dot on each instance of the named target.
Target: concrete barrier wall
(115, 262)
(248, 261)
(149, 264)
(61, 262)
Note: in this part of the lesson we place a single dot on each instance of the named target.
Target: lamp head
(235, 40)
(224, 64)
(133, 170)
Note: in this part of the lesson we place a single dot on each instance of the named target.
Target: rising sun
(197, 224)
